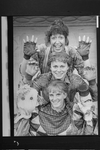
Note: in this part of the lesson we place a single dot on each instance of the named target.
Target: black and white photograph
(55, 75)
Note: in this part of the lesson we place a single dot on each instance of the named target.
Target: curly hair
(62, 57)
(59, 27)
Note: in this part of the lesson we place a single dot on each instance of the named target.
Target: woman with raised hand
(61, 69)
(56, 40)
(61, 66)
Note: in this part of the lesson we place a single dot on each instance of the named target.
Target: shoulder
(72, 51)
(45, 75)
(41, 47)
(43, 79)
(69, 49)
(76, 80)
(43, 50)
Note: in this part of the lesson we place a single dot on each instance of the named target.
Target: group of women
(52, 100)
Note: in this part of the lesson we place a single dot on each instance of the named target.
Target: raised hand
(29, 47)
(84, 47)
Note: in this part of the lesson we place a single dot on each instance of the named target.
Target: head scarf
(54, 122)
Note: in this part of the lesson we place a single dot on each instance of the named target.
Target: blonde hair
(57, 84)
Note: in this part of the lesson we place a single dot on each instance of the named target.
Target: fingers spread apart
(84, 39)
(33, 39)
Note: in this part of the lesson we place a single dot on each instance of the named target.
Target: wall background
(37, 25)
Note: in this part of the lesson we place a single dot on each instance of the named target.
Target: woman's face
(59, 69)
(57, 42)
(56, 98)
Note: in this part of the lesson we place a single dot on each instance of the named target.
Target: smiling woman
(57, 95)
(55, 60)
(59, 69)
(56, 40)
(56, 86)
(51, 119)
